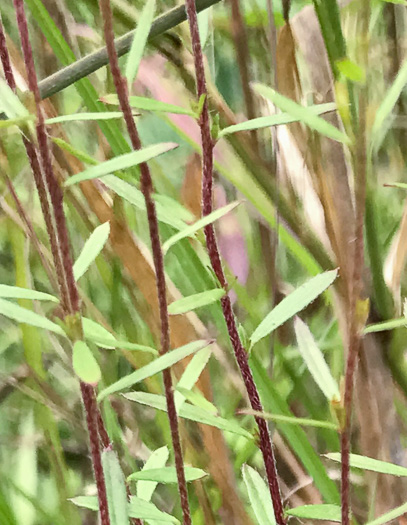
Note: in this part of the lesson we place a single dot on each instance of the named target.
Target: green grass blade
(148, 104)
(259, 496)
(192, 302)
(122, 162)
(317, 512)
(115, 489)
(303, 114)
(156, 366)
(191, 374)
(315, 361)
(23, 315)
(158, 459)
(166, 475)
(190, 412)
(15, 292)
(189, 231)
(81, 117)
(293, 303)
(374, 465)
(93, 246)
(389, 516)
(274, 120)
(84, 364)
(139, 41)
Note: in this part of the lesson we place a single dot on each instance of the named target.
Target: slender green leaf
(156, 366)
(131, 194)
(325, 512)
(15, 292)
(302, 113)
(138, 508)
(122, 162)
(192, 302)
(148, 104)
(124, 345)
(158, 459)
(188, 411)
(139, 41)
(166, 474)
(291, 420)
(191, 374)
(93, 246)
(84, 364)
(259, 496)
(293, 303)
(189, 231)
(385, 325)
(389, 516)
(79, 117)
(380, 124)
(275, 120)
(97, 334)
(23, 315)
(315, 361)
(197, 399)
(115, 489)
(295, 436)
(10, 104)
(374, 465)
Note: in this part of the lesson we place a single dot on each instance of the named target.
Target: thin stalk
(58, 233)
(356, 321)
(213, 251)
(147, 190)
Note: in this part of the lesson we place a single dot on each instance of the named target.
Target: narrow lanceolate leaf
(115, 489)
(374, 465)
(10, 104)
(166, 475)
(317, 512)
(198, 225)
(84, 364)
(96, 333)
(124, 345)
(192, 302)
(15, 292)
(291, 420)
(190, 412)
(149, 104)
(389, 516)
(383, 113)
(91, 250)
(385, 325)
(160, 364)
(23, 315)
(191, 374)
(259, 496)
(122, 162)
(131, 194)
(197, 399)
(315, 361)
(293, 303)
(78, 117)
(302, 113)
(139, 41)
(275, 120)
(137, 508)
(158, 459)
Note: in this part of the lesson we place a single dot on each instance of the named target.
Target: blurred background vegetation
(296, 220)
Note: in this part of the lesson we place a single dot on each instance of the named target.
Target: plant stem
(213, 251)
(58, 234)
(94, 61)
(147, 190)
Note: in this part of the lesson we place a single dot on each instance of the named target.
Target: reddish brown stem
(58, 234)
(147, 189)
(213, 251)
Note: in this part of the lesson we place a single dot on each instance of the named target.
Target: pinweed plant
(202, 241)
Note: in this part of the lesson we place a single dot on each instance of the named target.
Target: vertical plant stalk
(213, 251)
(356, 318)
(58, 234)
(147, 190)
